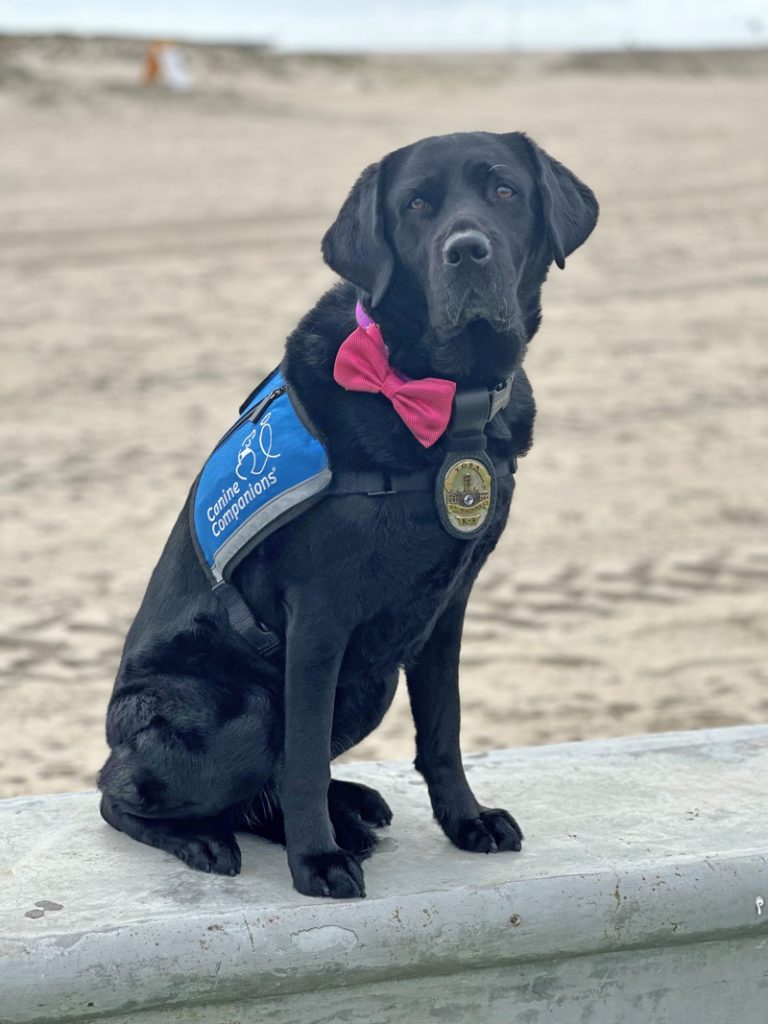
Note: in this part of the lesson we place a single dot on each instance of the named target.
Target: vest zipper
(253, 414)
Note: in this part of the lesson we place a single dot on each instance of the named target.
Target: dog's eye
(504, 191)
(417, 203)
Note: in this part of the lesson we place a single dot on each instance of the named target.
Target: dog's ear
(569, 206)
(355, 245)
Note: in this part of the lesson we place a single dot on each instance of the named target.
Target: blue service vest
(266, 469)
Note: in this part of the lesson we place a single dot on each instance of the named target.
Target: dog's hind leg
(353, 809)
(367, 803)
(178, 764)
(202, 844)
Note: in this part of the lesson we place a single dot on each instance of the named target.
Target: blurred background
(166, 173)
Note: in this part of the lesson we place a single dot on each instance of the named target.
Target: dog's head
(449, 241)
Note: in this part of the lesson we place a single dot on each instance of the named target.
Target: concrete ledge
(641, 894)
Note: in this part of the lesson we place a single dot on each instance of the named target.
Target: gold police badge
(465, 494)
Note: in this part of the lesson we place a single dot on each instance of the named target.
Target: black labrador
(446, 243)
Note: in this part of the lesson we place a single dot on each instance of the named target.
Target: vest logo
(253, 479)
(248, 461)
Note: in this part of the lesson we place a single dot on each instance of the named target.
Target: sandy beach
(157, 248)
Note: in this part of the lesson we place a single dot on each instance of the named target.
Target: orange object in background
(153, 64)
(165, 65)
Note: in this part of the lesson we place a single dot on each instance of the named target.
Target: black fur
(206, 739)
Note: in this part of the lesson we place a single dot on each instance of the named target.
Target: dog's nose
(467, 247)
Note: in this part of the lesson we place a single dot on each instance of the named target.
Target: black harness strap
(263, 640)
(376, 482)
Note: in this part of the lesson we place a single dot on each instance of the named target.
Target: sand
(156, 249)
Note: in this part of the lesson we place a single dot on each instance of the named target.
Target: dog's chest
(406, 576)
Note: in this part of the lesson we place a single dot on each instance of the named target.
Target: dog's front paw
(491, 831)
(335, 874)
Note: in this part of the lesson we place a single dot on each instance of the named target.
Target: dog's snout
(467, 247)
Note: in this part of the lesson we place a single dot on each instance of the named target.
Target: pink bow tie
(362, 364)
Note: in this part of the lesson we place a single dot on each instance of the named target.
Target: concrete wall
(640, 896)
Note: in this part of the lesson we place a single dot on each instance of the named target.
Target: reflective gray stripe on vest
(267, 519)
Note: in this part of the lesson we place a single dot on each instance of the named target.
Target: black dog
(446, 243)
